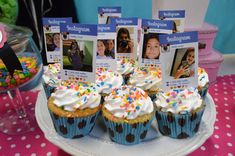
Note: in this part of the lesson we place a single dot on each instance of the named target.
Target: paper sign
(127, 40)
(179, 57)
(52, 37)
(106, 13)
(106, 47)
(79, 52)
(178, 16)
(150, 45)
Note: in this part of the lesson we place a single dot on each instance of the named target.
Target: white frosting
(128, 102)
(203, 78)
(125, 66)
(179, 101)
(51, 75)
(108, 80)
(146, 78)
(79, 97)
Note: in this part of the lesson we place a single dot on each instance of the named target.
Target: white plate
(98, 143)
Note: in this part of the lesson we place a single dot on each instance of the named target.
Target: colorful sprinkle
(137, 107)
(29, 65)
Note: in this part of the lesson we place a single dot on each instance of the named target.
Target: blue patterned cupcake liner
(73, 127)
(203, 91)
(127, 134)
(48, 89)
(179, 126)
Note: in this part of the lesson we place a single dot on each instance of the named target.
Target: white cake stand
(98, 142)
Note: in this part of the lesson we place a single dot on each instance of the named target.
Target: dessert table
(221, 141)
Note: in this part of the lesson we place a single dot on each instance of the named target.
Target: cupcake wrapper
(203, 91)
(73, 127)
(127, 134)
(48, 89)
(177, 125)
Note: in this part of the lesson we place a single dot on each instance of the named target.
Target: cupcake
(128, 113)
(126, 67)
(74, 109)
(51, 78)
(107, 80)
(203, 82)
(148, 79)
(179, 112)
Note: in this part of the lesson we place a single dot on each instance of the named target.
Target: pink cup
(211, 64)
(206, 36)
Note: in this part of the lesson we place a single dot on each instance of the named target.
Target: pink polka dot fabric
(222, 142)
(32, 143)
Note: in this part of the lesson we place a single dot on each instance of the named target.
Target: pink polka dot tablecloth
(222, 141)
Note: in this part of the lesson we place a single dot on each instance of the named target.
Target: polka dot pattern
(32, 143)
(222, 141)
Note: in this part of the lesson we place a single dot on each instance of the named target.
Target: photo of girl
(49, 43)
(102, 52)
(52, 42)
(187, 65)
(75, 56)
(110, 45)
(151, 46)
(124, 42)
(56, 41)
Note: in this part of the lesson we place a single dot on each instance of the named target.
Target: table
(222, 142)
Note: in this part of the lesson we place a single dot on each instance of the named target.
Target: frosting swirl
(179, 101)
(51, 75)
(107, 80)
(125, 66)
(146, 78)
(74, 97)
(203, 78)
(128, 102)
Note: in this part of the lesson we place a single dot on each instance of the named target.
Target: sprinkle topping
(29, 65)
(125, 66)
(203, 78)
(146, 78)
(176, 101)
(76, 96)
(128, 102)
(107, 80)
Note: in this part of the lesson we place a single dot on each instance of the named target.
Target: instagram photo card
(106, 13)
(178, 16)
(179, 60)
(79, 42)
(149, 44)
(52, 37)
(106, 47)
(127, 40)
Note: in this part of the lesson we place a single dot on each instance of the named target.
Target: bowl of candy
(21, 68)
